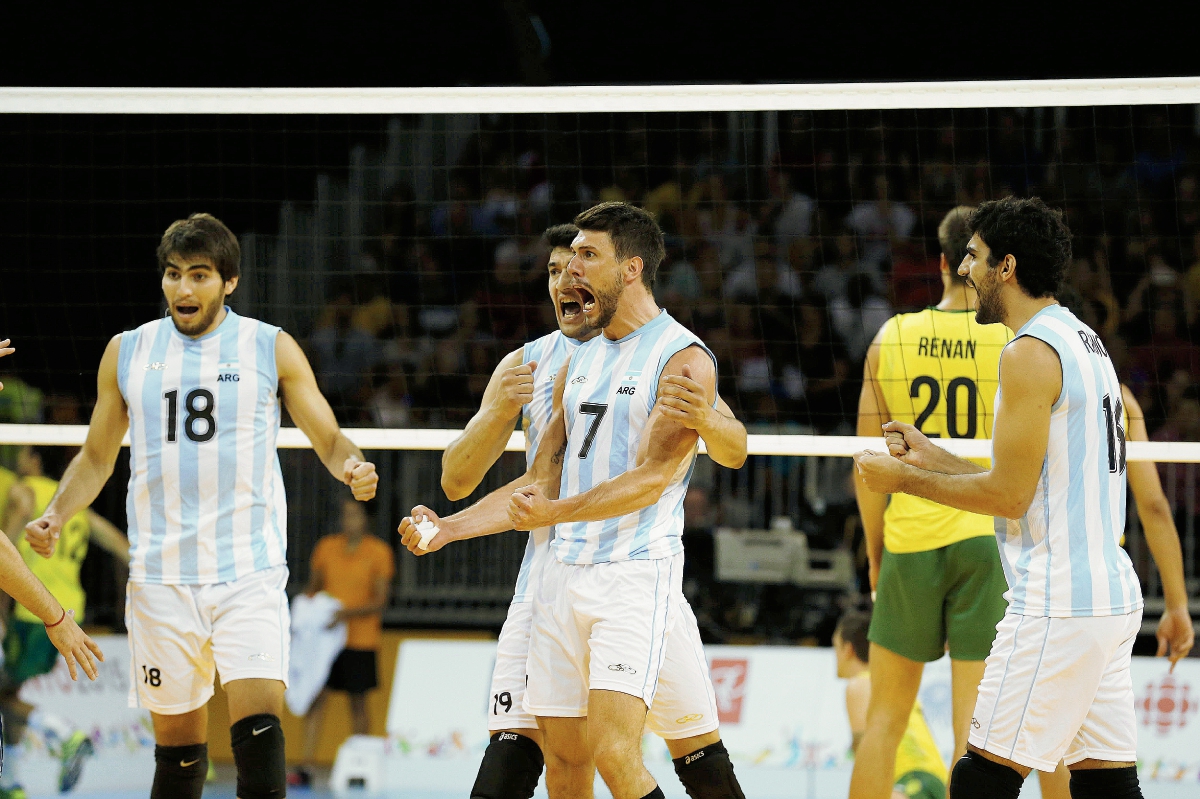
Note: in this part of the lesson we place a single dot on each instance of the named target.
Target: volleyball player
(521, 388)
(1057, 684)
(607, 598)
(198, 392)
(935, 570)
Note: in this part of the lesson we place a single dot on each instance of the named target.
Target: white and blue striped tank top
(206, 502)
(550, 352)
(1063, 557)
(611, 389)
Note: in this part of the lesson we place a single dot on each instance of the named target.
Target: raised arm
(311, 412)
(1030, 380)
(1175, 632)
(872, 413)
(90, 469)
(665, 447)
(489, 515)
(683, 400)
(468, 458)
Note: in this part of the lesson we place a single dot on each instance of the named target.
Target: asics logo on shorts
(690, 717)
(975, 723)
(622, 667)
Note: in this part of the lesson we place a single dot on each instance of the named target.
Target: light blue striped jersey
(550, 352)
(1063, 557)
(611, 389)
(206, 502)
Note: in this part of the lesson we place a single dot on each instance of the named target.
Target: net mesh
(403, 252)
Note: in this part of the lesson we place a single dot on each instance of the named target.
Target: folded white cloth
(314, 648)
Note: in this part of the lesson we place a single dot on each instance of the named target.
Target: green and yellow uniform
(27, 649)
(920, 771)
(940, 579)
(8, 479)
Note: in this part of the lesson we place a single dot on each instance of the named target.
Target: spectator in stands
(820, 357)
(881, 222)
(356, 568)
(834, 276)
(858, 315)
(1098, 308)
(391, 403)
(1166, 350)
(915, 281)
(344, 357)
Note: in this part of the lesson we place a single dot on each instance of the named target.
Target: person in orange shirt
(356, 568)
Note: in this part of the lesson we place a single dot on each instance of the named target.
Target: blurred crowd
(787, 249)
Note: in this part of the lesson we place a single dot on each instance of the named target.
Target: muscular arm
(468, 458)
(665, 446)
(18, 510)
(725, 437)
(19, 582)
(1030, 380)
(311, 412)
(872, 413)
(90, 469)
(1161, 535)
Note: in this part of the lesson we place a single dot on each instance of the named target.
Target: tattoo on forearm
(557, 459)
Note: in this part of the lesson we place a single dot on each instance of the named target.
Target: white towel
(314, 648)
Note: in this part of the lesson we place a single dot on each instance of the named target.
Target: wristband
(60, 620)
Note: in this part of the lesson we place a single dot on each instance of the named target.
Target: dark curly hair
(1031, 232)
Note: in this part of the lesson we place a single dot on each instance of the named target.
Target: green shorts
(954, 593)
(921, 785)
(27, 651)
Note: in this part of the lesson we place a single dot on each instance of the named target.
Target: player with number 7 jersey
(200, 393)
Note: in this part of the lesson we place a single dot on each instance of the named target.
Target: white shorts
(506, 708)
(600, 626)
(685, 704)
(181, 636)
(1059, 689)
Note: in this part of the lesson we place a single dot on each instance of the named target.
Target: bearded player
(1057, 683)
(199, 393)
(521, 389)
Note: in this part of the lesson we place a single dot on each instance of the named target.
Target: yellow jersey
(8, 479)
(939, 371)
(60, 572)
(918, 751)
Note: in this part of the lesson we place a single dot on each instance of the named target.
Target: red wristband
(60, 620)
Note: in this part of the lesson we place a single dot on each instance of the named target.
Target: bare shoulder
(1031, 367)
(289, 357)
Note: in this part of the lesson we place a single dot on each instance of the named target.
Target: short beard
(607, 300)
(201, 324)
(991, 309)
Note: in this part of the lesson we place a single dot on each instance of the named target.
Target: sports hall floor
(453, 781)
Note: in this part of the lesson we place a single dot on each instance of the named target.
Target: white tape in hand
(428, 530)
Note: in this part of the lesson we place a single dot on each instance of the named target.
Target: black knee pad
(976, 777)
(257, 743)
(511, 767)
(1105, 783)
(179, 771)
(707, 773)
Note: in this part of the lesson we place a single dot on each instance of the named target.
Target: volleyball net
(395, 234)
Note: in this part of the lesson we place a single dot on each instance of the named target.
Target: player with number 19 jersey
(938, 370)
(206, 499)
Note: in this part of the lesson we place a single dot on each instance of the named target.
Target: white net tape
(604, 99)
(373, 438)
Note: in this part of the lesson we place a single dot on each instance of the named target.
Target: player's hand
(516, 390)
(528, 509)
(76, 647)
(1175, 634)
(5, 349)
(361, 477)
(880, 473)
(42, 534)
(682, 399)
(910, 445)
(410, 536)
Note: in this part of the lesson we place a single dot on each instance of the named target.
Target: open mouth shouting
(187, 312)
(574, 309)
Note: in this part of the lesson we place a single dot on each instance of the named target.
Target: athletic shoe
(75, 751)
(212, 771)
(299, 778)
